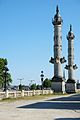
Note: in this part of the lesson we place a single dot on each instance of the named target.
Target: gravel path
(64, 108)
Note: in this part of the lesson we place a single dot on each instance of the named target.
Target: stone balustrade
(23, 93)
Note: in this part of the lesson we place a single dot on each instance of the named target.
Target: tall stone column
(71, 84)
(58, 84)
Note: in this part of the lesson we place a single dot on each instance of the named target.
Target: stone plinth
(58, 85)
(70, 86)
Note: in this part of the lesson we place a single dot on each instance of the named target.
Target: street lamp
(42, 76)
(20, 85)
(20, 79)
(5, 77)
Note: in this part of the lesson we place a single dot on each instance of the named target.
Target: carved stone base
(70, 86)
(58, 84)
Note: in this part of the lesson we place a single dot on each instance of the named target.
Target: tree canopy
(33, 87)
(4, 73)
(46, 83)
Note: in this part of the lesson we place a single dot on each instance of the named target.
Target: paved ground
(64, 108)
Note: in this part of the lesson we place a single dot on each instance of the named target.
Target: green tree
(33, 87)
(38, 87)
(5, 77)
(46, 83)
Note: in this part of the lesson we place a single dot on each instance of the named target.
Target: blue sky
(26, 36)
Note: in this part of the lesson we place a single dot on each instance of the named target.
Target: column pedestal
(70, 86)
(58, 84)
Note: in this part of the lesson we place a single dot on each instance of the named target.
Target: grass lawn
(36, 97)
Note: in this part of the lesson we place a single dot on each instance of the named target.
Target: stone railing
(15, 94)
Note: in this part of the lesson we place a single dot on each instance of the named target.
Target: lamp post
(42, 77)
(20, 85)
(31, 82)
(5, 77)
